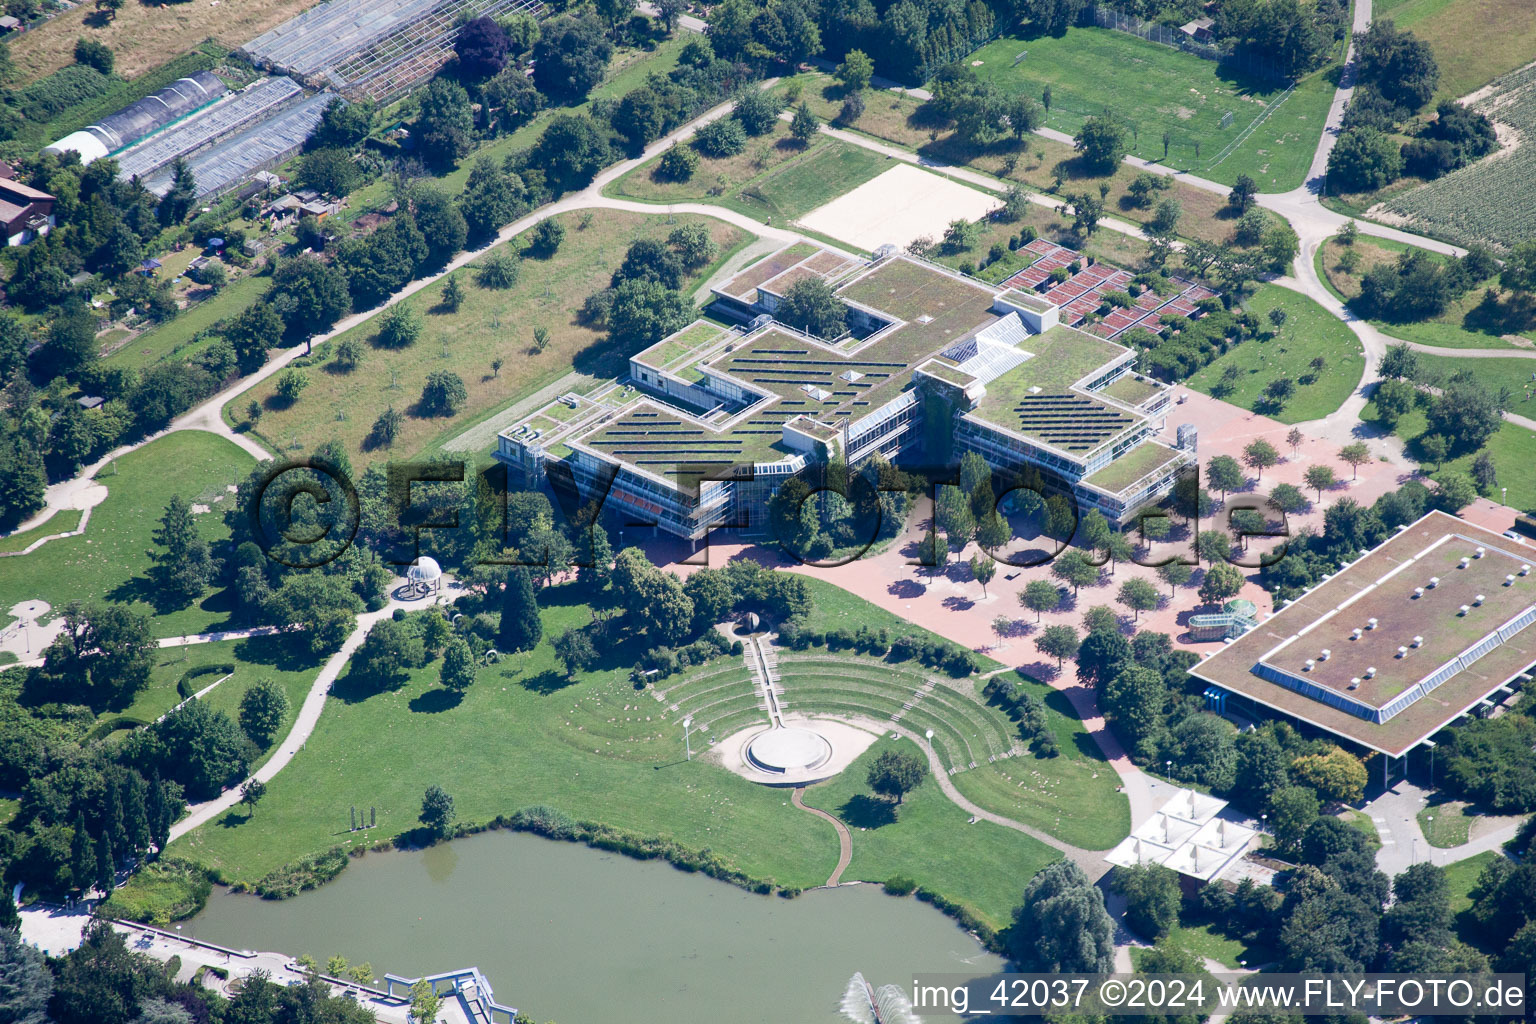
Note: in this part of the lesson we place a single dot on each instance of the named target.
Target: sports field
(1156, 89)
(900, 205)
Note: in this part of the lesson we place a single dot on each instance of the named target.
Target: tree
(1059, 642)
(389, 650)
(1072, 567)
(342, 125)
(443, 227)
(1454, 492)
(1466, 413)
(1102, 142)
(437, 812)
(1259, 455)
(251, 794)
(309, 295)
(1103, 653)
(1394, 399)
(1221, 582)
(400, 326)
(1244, 190)
(201, 748)
(1398, 64)
(895, 773)
(1357, 455)
(575, 650)
(757, 111)
(1363, 160)
(856, 71)
(1152, 898)
(458, 670)
(1175, 574)
(1336, 775)
(443, 393)
(1040, 596)
(720, 139)
(677, 164)
(1434, 448)
(445, 122)
(1061, 925)
(1138, 595)
(1484, 473)
(424, 1003)
(262, 709)
(644, 311)
(1224, 474)
(805, 125)
(481, 47)
(570, 57)
(693, 245)
(330, 171)
(93, 54)
(1319, 478)
(520, 628)
(655, 600)
(177, 203)
(983, 569)
(811, 305)
(184, 565)
(1291, 810)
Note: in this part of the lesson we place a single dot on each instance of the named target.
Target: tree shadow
(434, 701)
(547, 682)
(234, 819)
(865, 811)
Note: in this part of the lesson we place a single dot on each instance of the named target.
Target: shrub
(500, 270)
(721, 138)
(677, 164)
(900, 885)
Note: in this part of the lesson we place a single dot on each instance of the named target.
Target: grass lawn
(1514, 375)
(1203, 941)
(927, 839)
(62, 521)
(1159, 89)
(1362, 821)
(1309, 331)
(1469, 54)
(490, 324)
(893, 118)
(109, 562)
(1074, 796)
(285, 660)
(773, 178)
(1462, 876)
(1446, 825)
(1510, 447)
(1458, 327)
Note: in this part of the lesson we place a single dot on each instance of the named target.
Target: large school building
(713, 418)
(1435, 623)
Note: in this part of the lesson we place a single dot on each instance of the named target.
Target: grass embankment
(342, 405)
(598, 750)
(1446, 825)
(1309, 331)
(775, 179)
(927, 838)
(109, 562)
(1462, 325)
(1161, 89)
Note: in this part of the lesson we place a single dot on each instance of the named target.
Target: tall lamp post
(687, 746)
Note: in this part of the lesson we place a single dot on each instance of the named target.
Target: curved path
(844, 839)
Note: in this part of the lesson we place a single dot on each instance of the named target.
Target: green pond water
(579, 936)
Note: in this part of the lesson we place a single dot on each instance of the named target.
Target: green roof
(655, 438)
(1131, 390)
(1132, 466)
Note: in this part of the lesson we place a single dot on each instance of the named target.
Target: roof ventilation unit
(1480, 553)
(1308, 665)
(1354, 684)
(1323, 654)
(1356, 633)
(1434, 581)
(1509, 580)
(1464, 609)
(1370, 623)
(1525, 570)
(1465, 561)
(1418, 591)
(1402, 652)
(1478, 600)
(1370, 673)
(1418, 641)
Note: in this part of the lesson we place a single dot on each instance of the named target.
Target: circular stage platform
(788, 750)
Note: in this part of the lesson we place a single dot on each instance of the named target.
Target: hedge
(184, 685)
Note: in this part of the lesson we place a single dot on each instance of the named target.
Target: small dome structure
(1241, 606)
(751, 623)
(424, 570)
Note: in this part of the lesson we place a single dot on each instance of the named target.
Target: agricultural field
(1309, 332)
(774, 179)
(1493, 200)
(145, 36)
(1158, 89)
(492, 324)
(1460, 326)
(1470, 56)
(110, 561)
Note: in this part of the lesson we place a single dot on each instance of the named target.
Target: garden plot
(902, 204)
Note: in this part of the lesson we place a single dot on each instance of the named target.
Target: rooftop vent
(1418, 641)
(1465, 609)
(1525, 570)
(1509, 580)
(1370, 673)
(1402, 652)
(1354, 684)
(1478, 600)
(1356, 633)
(1465, 561)
(1307, 666)
(1480, 553)
(1323, 654)
(1418, 591)
(1370, 623)
(1434, 581)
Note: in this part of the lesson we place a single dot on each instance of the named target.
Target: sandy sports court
(902, 204)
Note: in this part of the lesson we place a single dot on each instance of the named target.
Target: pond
(577, 935)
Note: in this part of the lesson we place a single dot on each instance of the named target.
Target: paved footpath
(844, 840)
